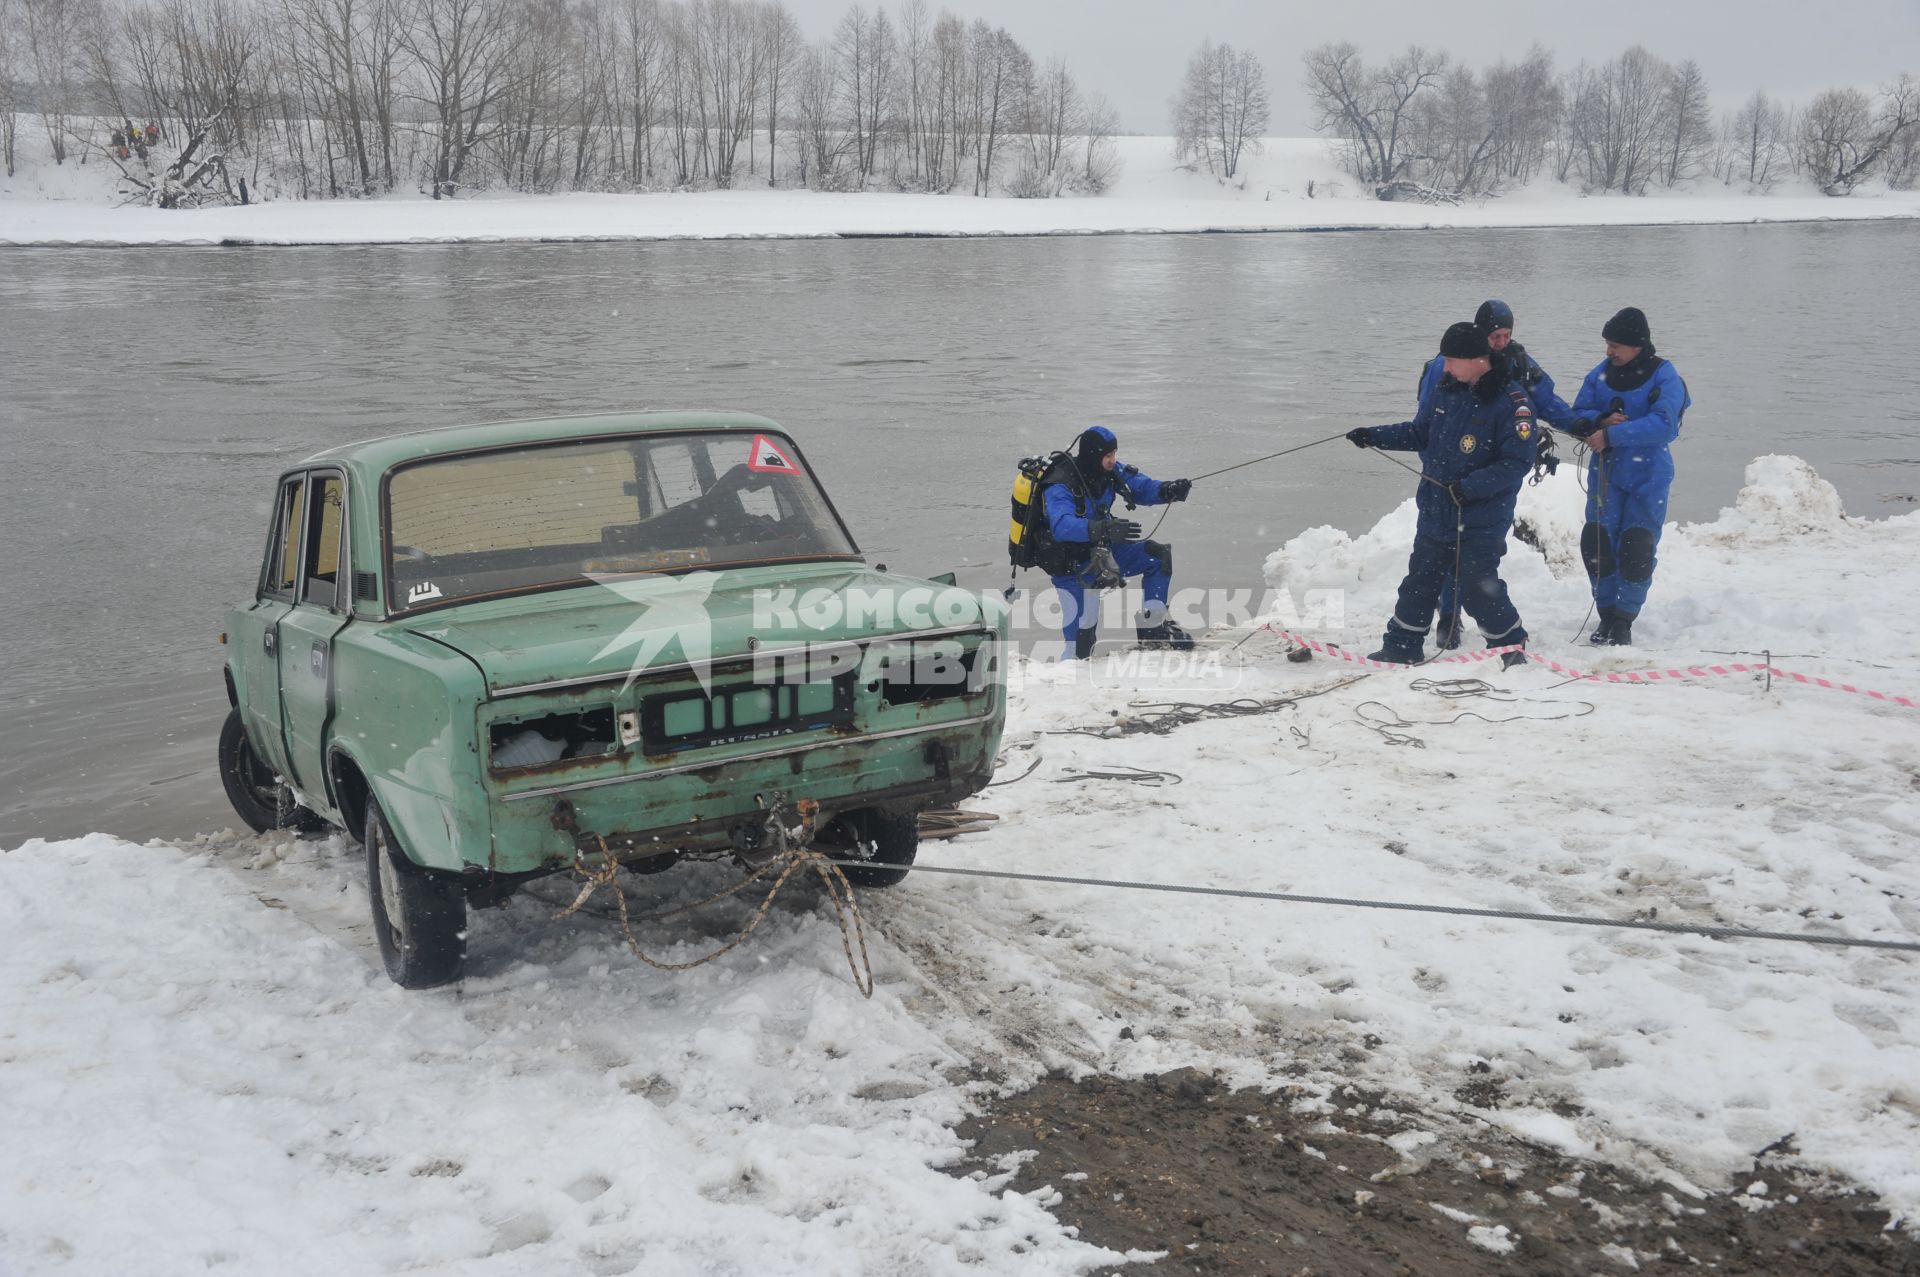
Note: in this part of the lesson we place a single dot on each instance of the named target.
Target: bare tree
(1835, 133)
(783, 43)
(327, 38)
(1903, 154)
(823, 146)
(1619, 120)
(640, 83)
(1843, 137)
(914, 105)
(1374, 111)
(1524, 97)
(9, 82)
(1101, 165)
(1689, 122)
(1757, 138)
(952, 57)
(1051, 115)
(55, 37)
(1222, 108)
(1000, 70)
(863, 48)
(462, 52)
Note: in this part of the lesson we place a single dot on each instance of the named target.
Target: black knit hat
(1493, 314)
(1095, 443)
(1464, 341)
(1628, 328)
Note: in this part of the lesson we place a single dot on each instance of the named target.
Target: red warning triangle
(771, 457)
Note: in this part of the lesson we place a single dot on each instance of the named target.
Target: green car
(497, 652)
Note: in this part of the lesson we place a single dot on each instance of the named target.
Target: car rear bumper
(705, 806)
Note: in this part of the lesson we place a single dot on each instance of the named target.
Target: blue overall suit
(1068, 513)
(1627, 485)
(1481, 439)
(1547, 406)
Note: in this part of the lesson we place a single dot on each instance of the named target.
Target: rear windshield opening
(559, 513)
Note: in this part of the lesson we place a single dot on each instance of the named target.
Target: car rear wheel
(419, 915)
(258, 796)
(875, 847)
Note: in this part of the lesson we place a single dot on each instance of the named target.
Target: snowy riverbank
(204, 1064)
(74, 205)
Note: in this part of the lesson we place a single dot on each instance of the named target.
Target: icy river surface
(151, 395)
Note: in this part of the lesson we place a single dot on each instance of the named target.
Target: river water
(151, 395)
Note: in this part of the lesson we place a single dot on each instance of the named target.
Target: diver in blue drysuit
(1495, 319)
(1475, 435)
(1628, 410)
(1094, 550)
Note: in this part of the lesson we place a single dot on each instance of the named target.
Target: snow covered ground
(74, 204)
(203, 1067)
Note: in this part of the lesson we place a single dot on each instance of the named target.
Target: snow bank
(1783, 497)
(204, 1066)
(1293, 184)
(198, 1076)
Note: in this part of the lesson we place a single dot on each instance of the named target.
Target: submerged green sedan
(502, 651)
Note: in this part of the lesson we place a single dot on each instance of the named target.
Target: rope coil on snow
(789, 859)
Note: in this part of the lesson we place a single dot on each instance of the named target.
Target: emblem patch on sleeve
(1523, 427)
(1468, 443)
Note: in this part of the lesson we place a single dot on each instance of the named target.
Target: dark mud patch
(1294, 1184)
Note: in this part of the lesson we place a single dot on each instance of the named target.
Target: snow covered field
(73, 204)
(204, 1068)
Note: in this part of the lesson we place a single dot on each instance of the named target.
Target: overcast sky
(1134, 50)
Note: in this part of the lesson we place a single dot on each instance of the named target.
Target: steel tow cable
(1458, 911)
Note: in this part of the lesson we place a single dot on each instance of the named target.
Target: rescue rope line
(1390, 724)
(1160, 717)
(1269, 457)
(1136, 775)
(1241, 466)
(1456, 911)
(1766, 670)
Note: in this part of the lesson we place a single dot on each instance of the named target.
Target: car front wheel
(874, 847)
(419, 915)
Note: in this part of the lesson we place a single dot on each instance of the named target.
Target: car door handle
(266, 641)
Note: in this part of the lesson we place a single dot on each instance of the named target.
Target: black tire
(419, 915)
(882, 843)
(258, 796)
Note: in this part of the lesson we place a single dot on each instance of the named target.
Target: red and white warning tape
(1906, 701)
(1629, 676)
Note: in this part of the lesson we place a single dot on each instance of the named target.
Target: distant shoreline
(188, 232)
(49, 206)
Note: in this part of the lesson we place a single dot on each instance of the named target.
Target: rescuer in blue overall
(1475, 434)
(1628, 411)
(1495, 319)
(1098, 551)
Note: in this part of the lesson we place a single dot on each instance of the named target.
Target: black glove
(1122, 530)
(1453, 490)
(1358, 437)
(1176, 489)
(1581, 427)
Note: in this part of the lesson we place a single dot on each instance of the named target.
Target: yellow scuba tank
(1028, 528)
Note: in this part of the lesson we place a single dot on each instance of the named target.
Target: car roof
(376, 456)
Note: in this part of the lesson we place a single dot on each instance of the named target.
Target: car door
(321, 604)
(256, 631)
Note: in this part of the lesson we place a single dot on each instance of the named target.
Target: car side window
(322, 556)
(283, 553)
